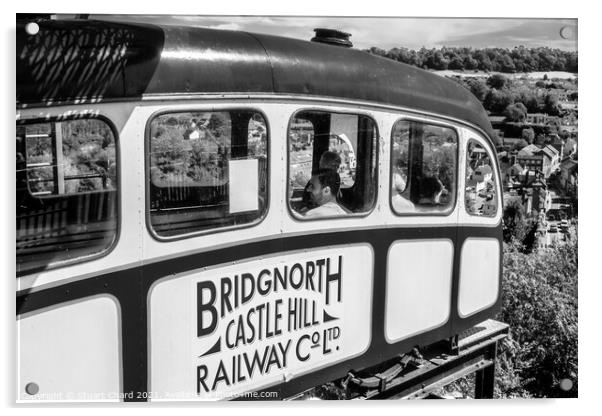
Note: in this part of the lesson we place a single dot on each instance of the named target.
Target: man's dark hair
(330, 178)
(330, 160)
(430, 186)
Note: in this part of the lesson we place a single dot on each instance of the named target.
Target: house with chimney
(544, 160)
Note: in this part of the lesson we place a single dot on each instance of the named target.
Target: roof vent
(332, 37)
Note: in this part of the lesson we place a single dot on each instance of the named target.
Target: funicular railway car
(206, 213)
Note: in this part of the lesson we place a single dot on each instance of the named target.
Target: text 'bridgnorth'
(316, 276)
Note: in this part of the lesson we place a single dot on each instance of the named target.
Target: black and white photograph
(299, 208)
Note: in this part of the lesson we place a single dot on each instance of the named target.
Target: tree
(437, 61)
(497, 81)
(522, 143)
(529, 135)
(551, 105)
(488, 59)
(540, 140)
(497, 101)
(377, 51)
(515, 225)
(529, 100)
(456, 63)
(478, 87)
(516, 112)
(470, 63)
(507, 64)
(484, 61)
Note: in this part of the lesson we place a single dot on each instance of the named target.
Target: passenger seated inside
(328, 160)
(398, 200)
(430, 193)
(324, 186)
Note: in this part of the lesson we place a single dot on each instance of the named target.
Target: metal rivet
(32, 389)
(566, 32)
(566, 384)
(32, 28)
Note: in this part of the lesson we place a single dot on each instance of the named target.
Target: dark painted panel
(131, 288)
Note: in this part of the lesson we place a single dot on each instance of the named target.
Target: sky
(390, 32)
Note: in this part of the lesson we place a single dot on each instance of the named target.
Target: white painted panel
(243, 185)
(269, 326)
(71, 352)
(479, 275)
(419, 277)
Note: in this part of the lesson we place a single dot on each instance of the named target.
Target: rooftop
(104, 61)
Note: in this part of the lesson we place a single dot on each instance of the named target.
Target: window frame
(495, 177)
(147, 169)
(296, 216)
(118, 189)
(452, 207)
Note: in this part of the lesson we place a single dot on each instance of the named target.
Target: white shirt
(329, 209)
(401, 204)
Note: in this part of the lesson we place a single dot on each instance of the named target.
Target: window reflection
(423, 168)
(481, 191)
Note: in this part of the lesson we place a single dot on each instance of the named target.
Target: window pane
(207, 170)
(423, 168)
(66, 191)
(332, 164)
(481, 190)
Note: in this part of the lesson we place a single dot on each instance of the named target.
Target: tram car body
(163, 248)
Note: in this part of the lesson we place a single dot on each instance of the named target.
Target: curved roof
(91, 60)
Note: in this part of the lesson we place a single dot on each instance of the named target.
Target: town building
(544, 160)
(541, 119)
(542, 199)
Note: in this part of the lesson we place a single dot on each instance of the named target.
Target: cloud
(527, 32)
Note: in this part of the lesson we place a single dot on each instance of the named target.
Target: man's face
(317, 191)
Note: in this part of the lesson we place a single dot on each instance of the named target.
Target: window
(332, 164)
(481, 190)
(423, 168)
(66, 175)
(208, 170)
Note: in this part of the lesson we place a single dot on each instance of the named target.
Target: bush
(540, 305)
(539, 302)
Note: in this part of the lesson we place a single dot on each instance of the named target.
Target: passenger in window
(398, 200)
(324, 187)
(430, 193)
(328, 160)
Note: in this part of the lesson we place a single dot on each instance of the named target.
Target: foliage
(551, 105)
(529, 135)
(540, 305)
(516, 112)
(178, 159)
(515, 223)
(497, 81)
(88, 150)
(518, 59)
(497, 101)
(477, 86)
(528, 99)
